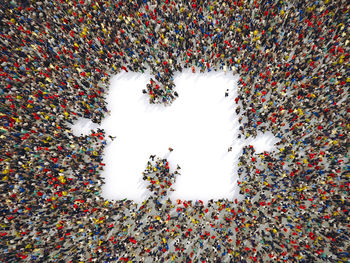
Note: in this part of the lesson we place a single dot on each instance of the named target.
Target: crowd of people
(56, 61)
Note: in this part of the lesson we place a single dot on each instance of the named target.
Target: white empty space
(200, 126)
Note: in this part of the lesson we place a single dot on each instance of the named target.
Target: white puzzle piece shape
(200, 125)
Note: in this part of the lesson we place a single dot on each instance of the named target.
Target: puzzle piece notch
(160, 179)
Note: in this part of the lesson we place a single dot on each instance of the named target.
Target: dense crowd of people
(56, 61)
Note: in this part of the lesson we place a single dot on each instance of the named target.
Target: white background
(200, 126)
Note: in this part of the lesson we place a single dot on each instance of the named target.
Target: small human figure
(112, 137)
